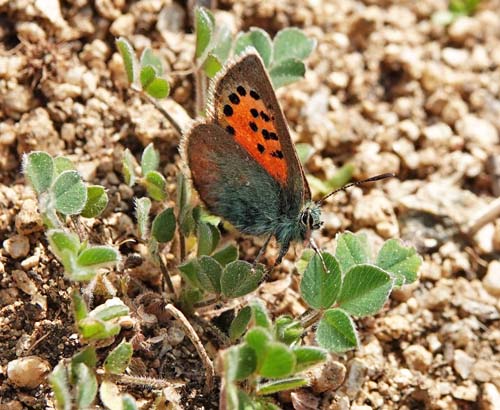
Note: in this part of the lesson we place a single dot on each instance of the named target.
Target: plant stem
(162, 110)
(310, 317)
(166, 275)
(182, 246)
(201, 91)
(207, 363)
(142, 381)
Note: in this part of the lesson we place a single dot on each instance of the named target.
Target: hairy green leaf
(163, 227)
(258, 39)
(287, 72)
(292, 43)
(240, 323)
(97, 200)
(70, 193)
(38, 166)
(403, 262)
(129, 60)
(240, 278)
(336, 331)
(119, 358)
(351, 250)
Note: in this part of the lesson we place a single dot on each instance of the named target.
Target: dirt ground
(387, 89)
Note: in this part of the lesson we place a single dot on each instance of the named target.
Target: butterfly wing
(245, 105)
(230, 182)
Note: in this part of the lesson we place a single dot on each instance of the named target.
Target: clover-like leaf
(365, 289)
(110, 309)
(204, 27)
(240, 362)
(149, 59)
(240, 323)
(278, 361)
(163, 227)
(142, 208)
(240, 278)
(61, 164)
(128, 402)
(276, 386)
(258, 339)
(86, 386)
(99, 256)
(70, 193)
(38, 166)
(258, 39)
(129, 60)
(147, 76)
(336, 331)
(155, 185)
(209, 274)
(208, 238)
(227, 254)
(351, 250)
(119, 358)
(320, 288)
(97, 200)
(158, 88)
(288, 330)
(260, 314)
(399, 260)
(61, 241)
(58, 380)
(150, 159)
(87, 356)
(292, 43)
(287, 72)
(222, 42)
(307, 356)
(129, 168)
(212, 65)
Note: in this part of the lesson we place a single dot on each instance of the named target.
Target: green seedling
(268, 360)
(150, 178)
(145, 74)
(353, 285)
(60, 189)
(456, 9)
(75, 384)
(81, 261)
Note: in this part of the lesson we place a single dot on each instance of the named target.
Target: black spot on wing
(241, 90)
(230, 130)
(234, 98)
(254, 95)
(265, 133)
(277, 154)
(273, 136)
(228, 110)
(261, 148)
(264, 116)
(254, 112)
(253, 126)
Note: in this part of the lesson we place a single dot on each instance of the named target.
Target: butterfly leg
(262, 250)
(283, 251)
(318, 252)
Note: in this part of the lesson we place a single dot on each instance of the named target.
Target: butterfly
(243, 163)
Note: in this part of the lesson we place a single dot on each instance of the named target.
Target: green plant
(60, 189)
(269, 359)
(75, 384)
(335, 288)
(456, 9)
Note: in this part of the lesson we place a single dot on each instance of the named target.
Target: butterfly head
(310, 217)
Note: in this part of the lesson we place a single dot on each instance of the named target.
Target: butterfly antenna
(363, 181)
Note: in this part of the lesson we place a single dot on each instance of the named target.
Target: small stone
(490, 397)
(12, 405)
(29, 372)
(455, 57)
(486, 371)
(28, 220)
(491, 282)
(468, 391)
(17, 246)
(328, 376)
(68, 132)
(175, 335)
(23, 282)
(438, 134)
(462, 363)
(478, 131)
(418, 358)
(356, 377)
(463, 28)
(123, 26)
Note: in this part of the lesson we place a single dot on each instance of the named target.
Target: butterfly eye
(304, 218)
